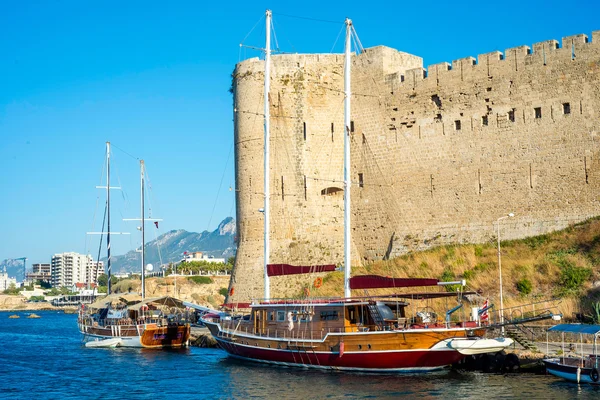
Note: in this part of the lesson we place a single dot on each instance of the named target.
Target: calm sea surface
(44, 359)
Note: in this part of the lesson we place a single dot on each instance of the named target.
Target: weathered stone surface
(441, 154)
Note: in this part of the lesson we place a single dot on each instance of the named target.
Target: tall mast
(142, 226)
(347, 123)
(108, 269)
(266, 155)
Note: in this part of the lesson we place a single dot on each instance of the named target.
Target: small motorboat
(479, 346)
(579, 368)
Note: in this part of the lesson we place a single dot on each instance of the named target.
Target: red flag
(156, 223)
(484, 315)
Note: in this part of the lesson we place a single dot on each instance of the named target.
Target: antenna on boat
(347, 123)
(267, 293)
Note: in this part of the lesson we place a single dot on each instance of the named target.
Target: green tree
(12, 289)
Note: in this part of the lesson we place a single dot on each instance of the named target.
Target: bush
(469, 274)
(200, 279)
(448, 276)
(572, 278)
(223, 291)
(478, 251)
(524, 286)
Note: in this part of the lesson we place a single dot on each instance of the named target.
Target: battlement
(543, 53)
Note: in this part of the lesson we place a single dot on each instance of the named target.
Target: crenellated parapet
(542, 53)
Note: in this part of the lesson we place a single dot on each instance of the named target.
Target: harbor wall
(438, 154)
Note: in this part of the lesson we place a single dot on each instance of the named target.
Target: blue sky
(153, 78)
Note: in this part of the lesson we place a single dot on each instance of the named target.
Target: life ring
(306, 292)
(318, 282)
(594, 375)
(231, 291)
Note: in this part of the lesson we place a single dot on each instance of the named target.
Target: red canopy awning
(287, 269)
(380, 282)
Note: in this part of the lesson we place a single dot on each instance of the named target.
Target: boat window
(280, 316)
(352, 315)
(329, 315)
(271, 315)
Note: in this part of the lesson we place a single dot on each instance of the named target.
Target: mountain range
(168, 247)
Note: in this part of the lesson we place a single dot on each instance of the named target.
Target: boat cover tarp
(124, 298)
(287, 269)
(380, 282)
(163, 301)
(576, 328)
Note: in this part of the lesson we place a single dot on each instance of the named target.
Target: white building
(199, 256)
(5, 281)
(70, 268)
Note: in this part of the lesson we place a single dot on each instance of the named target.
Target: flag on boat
(156, 223)
(484, 315)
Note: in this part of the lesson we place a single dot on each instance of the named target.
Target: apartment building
(39, 272)
(70, 268)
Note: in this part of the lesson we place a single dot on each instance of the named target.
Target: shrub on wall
(200, 279)
(524, 286)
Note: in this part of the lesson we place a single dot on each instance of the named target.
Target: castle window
(538, 112)
(457, 125)
(331, 191)
(566, 108)
(304, 128)
(351, 126)
(332, 131)
(361, 181)
(511, 115)
(484, 120)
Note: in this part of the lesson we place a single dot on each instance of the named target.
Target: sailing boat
(369, 333)
(119, 321)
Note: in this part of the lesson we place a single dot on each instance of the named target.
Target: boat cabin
(349, 316)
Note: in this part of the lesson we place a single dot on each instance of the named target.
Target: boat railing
(232, 328)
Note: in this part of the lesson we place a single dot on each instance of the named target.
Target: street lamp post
(510, 215)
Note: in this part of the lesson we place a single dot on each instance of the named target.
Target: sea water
(44, 359)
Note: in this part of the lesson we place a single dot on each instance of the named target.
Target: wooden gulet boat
(348, 333)
(582, 368)
(373, 333)
(115, 321)
(152, 323)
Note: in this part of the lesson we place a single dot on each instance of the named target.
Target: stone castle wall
(437, 155)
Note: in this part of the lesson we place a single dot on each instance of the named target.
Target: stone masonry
(438, 155)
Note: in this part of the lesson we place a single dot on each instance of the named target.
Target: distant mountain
(172, 245)
(14, 268)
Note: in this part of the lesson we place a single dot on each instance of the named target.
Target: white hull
(123, 341)
(104, 343)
